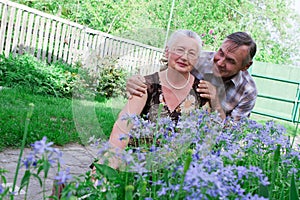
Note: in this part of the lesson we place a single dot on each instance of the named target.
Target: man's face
(228, 61)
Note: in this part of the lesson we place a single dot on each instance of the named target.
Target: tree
(272, 23)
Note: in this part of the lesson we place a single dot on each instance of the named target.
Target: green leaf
(128, 192)
(108, 172)
(38, 178)
(25, 179)
(263, 191)
(46, 167)
(277, 154)
(293, 190)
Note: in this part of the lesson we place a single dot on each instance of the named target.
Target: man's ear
(247, 66)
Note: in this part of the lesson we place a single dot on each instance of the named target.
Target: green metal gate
(294, 115)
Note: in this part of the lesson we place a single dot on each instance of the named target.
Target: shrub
(38, 77)
(112, 79)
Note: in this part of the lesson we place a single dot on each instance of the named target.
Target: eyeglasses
(192, 55)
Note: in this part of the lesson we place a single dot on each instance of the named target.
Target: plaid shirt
(238, 95)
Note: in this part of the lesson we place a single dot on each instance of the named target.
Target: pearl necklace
(175, 87)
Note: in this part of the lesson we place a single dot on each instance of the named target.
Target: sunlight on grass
(61, 120)
(90, 117)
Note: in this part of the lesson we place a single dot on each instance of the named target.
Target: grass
(61, 120)
(64, 120)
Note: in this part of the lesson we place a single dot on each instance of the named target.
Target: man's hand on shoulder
(209, 91)
(136, 85)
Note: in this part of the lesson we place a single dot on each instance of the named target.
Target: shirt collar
(237, 79)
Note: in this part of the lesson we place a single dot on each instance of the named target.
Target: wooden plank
(76, 55)
(119, 46)
(62, 42)
(140, 62)
(40, 38)
(34, 35)
(113, 48)
(100, 44)
(67, 43)
(57, 41)
(135, 57)
(29, 33)
(23, 33)
(105, 49)
(51, 42)
(90, 41)
(16, 32)
(122, 48)
(72, 50)
(46, 39)
(110, 47)
(85, 48)
(145, 61)
(8, 42)
(94, 41)
(154, 61)
(81, 44)
(3, 27)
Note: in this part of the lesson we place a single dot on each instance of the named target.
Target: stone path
(76, 157)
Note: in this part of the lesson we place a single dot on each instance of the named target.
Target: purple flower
(30, 160)
(255, 197)
(41, 146)
(63, 176)
(1, 189)
(139, 168)
(104, 147)
(162, 192)
(211, 31)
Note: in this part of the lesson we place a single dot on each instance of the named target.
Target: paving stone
(76, 157)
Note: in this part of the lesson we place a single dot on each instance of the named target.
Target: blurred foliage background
(274, 24)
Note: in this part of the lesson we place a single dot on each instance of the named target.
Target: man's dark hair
(243, 38)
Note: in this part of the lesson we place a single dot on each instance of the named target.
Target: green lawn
(61, 120)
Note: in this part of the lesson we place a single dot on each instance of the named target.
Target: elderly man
(225, 79)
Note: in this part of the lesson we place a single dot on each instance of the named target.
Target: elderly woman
(174, 88)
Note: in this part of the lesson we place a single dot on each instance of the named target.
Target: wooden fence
(51, 38)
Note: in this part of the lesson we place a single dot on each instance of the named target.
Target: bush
(61, 79)
(112, 79)
(38, 77)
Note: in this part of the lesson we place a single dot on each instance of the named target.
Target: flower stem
(187, 164)
(29, 114)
